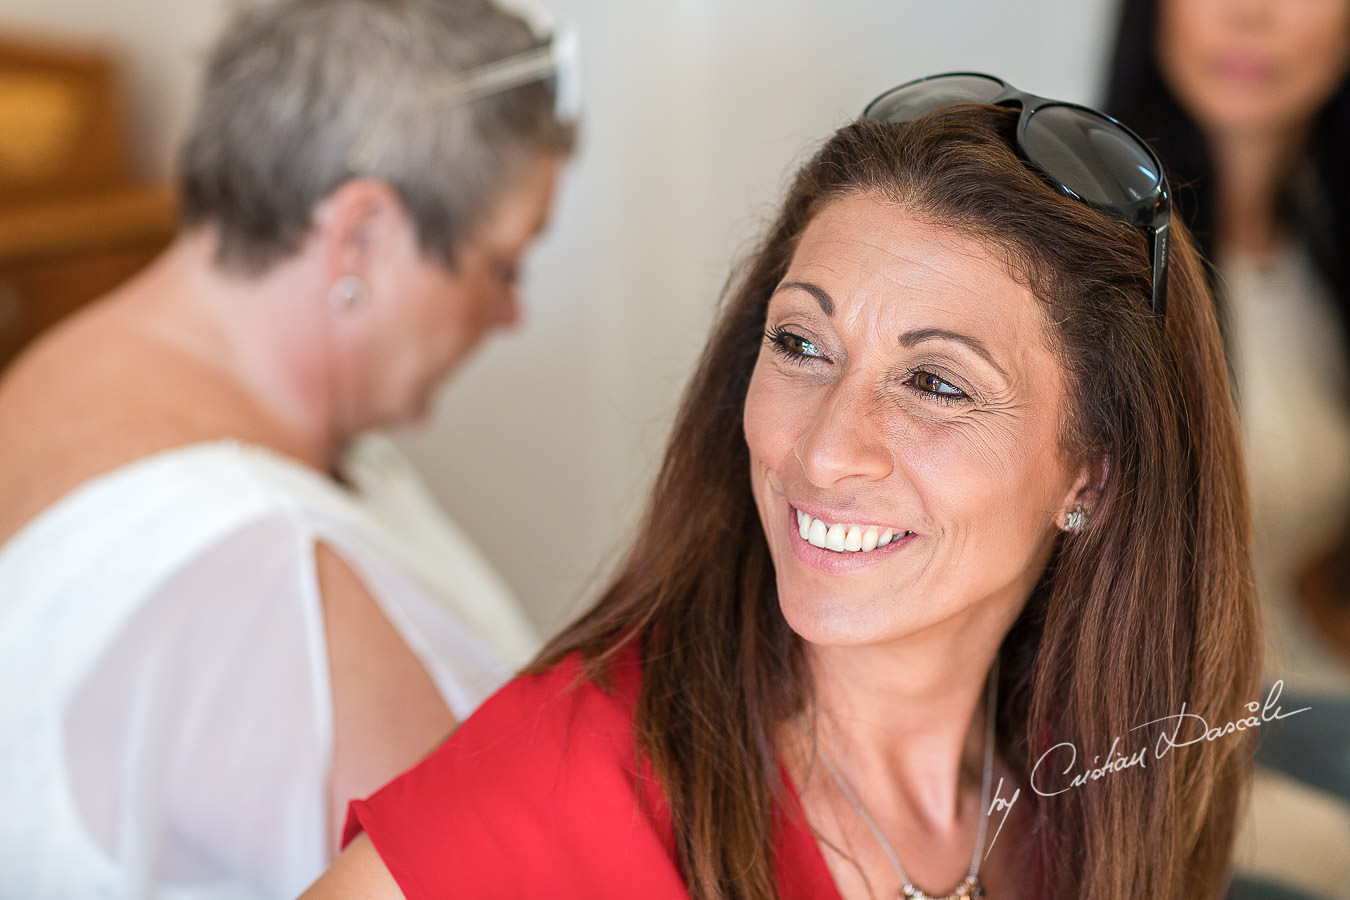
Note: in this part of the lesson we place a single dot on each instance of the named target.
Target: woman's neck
(255, 334)
(905, 730)
(1249, 169)
(907, 723)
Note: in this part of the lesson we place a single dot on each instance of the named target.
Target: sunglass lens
(1091, 156)
(912, 100)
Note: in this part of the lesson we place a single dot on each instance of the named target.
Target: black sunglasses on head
(1086, 154)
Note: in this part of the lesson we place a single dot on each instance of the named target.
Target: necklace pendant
(970, 889)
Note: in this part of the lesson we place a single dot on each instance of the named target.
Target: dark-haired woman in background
(1248, 102)
(950, 494)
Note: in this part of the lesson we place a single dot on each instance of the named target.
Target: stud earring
(1076, 519)
(346, 292)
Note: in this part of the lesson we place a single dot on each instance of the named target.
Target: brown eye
(928, 383)
(792, 346)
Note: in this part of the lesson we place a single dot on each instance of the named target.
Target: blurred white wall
(695, 111)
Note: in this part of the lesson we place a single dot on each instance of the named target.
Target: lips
(1244, 68)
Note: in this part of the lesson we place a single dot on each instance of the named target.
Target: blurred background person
(1248, 103)
(224, 612)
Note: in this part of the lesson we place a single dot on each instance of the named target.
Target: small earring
(1076, 519)
(346, 292)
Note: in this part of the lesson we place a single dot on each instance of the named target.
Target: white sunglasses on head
(558, 60)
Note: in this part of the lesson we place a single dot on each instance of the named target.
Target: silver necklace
(970, 889)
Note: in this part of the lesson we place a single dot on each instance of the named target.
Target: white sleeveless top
(165, 716)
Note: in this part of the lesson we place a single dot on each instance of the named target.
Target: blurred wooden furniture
(74, 221)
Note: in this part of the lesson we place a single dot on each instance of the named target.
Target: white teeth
(869, 538)
(842, 537)
(834, 538)
(853, 540)
(817, 533)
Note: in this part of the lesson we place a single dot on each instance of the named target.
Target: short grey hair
(293, 86)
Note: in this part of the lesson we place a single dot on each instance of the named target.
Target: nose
(1256, 14)
(845, 437)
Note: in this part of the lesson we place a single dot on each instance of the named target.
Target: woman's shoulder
(92, 398)
(559, 700)
(188, 495)
(541, 729)
(542, 787)
(192, 529)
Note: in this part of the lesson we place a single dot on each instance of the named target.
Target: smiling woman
(947, 490)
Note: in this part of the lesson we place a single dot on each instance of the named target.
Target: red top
(540, 794)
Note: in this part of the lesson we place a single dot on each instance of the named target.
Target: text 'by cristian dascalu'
(1057, 771)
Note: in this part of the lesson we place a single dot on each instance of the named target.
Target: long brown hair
(1150, 606)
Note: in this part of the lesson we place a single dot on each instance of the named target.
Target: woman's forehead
(874, 257)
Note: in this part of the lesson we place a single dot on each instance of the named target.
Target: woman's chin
(835, 620)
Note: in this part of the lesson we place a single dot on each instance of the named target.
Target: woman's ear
(354, 223)
(1084, 495)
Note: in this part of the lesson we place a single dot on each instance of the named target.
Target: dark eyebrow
(825, 300)
(918, 336)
